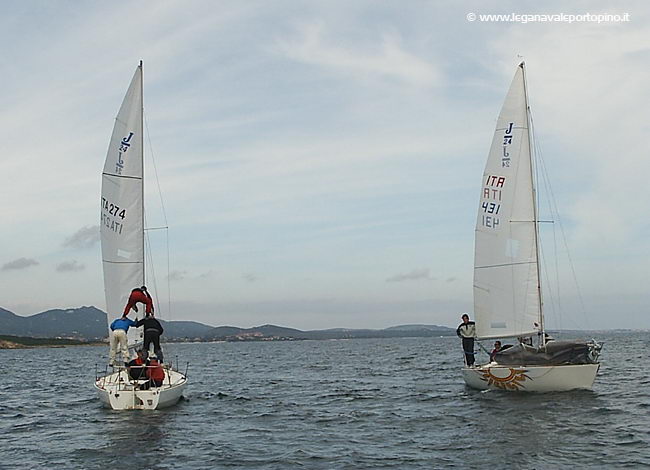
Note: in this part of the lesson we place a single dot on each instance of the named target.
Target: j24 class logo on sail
(124, 147)
(507, 141)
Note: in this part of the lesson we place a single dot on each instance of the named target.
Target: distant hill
(229, 333)
(90, 324)
(400, 331)
(84, 323)
(185, 329)
(10, 323)
(417, 327)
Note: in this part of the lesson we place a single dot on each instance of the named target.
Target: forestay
(122, 225)
(506, 289)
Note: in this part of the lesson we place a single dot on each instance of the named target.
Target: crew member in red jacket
(139, 294)
(155, 372)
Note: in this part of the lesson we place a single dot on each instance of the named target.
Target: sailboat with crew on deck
(123, 253)
(507, 281)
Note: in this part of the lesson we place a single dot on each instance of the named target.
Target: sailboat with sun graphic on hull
(507, 289)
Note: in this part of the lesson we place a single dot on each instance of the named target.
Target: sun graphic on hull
(513, 381)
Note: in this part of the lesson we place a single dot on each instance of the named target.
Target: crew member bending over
(118, 340)
(139, 294)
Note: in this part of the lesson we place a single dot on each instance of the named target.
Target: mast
(144, 258)
(535, 216)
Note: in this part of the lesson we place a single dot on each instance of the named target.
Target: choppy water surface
(390, 403)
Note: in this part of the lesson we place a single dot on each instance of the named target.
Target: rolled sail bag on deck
(554, 353)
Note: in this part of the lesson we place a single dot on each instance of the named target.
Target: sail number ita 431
(491, 200)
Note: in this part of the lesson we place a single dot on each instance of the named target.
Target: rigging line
(164, 212)
(155, 169)
(554, 208)
(122, 176)
(542, 175)
(549, 287)
(558, 314)
(483, 348)
(533, 221)
(503, 265)
(566, 245)
(557, 279)
(169, 290)
(513, 127)
(151, 270)
(542, 180)
(545, 180)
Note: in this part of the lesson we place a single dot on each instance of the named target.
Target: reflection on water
(142, 436)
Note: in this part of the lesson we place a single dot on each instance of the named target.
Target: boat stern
(117, 392)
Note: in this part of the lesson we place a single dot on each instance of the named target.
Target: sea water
(385, 403)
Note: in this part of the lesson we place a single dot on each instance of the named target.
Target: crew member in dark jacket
(139, 294)
(466, 331)
(152, 331)
(136, 367)
(497, 349)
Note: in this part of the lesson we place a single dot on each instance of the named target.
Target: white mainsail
(122, 216)
(507, 299)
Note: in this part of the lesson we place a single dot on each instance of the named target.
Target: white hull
(559, 378)
(118, 392)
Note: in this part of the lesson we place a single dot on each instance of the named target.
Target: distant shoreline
(26, 342)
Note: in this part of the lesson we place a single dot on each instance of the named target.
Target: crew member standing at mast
(152, 331)
(139, 294)
(466, 331)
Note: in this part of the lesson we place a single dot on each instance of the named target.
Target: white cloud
(385, 56)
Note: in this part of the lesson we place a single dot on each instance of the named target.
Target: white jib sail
(506, 294)
(122, 221)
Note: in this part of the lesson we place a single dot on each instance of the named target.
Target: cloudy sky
(320, 162)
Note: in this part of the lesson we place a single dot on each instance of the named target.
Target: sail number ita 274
(114, 211)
